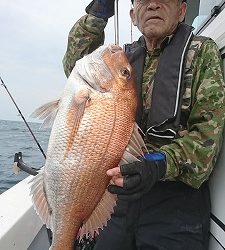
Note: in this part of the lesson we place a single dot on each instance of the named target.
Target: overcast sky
(33, 40)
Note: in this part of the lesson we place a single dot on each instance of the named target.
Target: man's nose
(153, 4)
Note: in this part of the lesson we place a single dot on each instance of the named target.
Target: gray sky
(33, 40)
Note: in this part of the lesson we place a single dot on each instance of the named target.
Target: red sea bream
(94, 130)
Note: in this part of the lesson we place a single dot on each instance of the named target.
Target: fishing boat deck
(20, 228)
(40, 242)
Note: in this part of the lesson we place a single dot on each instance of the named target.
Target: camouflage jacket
(191, 156)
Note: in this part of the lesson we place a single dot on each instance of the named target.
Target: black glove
(101, 8)
(140, 176)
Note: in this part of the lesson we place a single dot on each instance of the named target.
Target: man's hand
(101, 8)
(135, 179)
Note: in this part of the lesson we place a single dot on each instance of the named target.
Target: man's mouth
(154, 18)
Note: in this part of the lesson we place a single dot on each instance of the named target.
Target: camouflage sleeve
(85, 36)
(191, 159)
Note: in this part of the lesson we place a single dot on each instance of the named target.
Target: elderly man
(164, 201)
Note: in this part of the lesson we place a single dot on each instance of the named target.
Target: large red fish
(94, 130)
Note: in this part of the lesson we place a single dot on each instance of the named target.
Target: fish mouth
(114, 48)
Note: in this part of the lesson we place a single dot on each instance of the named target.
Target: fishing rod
(39, 146)
(131, 28)
(116, 22)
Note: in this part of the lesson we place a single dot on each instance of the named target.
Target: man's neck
(152, 44)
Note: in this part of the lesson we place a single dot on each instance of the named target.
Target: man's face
(157, 18)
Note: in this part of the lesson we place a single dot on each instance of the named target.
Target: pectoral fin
(135, 148)
(75, 114)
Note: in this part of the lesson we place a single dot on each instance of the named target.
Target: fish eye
(126, 73)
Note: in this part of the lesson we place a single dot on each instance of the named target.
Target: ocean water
(15, 137)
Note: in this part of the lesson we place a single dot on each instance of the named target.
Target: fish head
(123, 86)
(123, 77)
(93, 72)
(105, 69)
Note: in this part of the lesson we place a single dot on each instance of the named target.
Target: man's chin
(153, 34)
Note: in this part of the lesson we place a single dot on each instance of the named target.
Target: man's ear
(183, 10)
(133, 17)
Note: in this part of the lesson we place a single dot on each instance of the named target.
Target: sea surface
(15, 137)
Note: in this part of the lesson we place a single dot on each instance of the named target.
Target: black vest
(164, 117)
